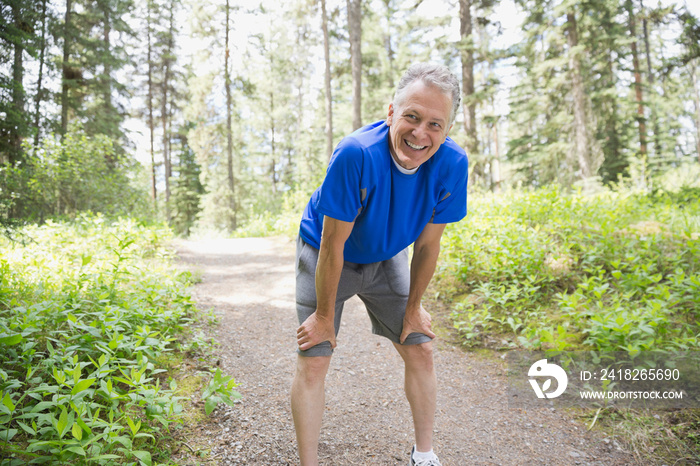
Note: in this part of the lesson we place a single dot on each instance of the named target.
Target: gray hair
(434, 75)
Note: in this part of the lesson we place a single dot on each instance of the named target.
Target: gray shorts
(382, 286)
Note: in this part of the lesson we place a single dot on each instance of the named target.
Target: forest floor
(249, 285)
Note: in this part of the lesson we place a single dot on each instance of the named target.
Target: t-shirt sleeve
(453, 207)
(339, 196)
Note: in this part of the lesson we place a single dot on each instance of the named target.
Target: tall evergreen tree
(229, 117)
(355, 30)
(467, 56)
(327, 80)
(17, 36)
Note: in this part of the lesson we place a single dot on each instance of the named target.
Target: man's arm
(425, 254)
(318, 327)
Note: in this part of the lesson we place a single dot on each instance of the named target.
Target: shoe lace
(430, 462)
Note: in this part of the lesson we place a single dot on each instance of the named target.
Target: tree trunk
(229, 122)
(151, 129)
(107, 107)
(387, 43)
(17, 88)
(329, 97)
(696, 99)
(496, 161)
(650, 80)
(469, 104)
(39, 84)
(165, 113)
(107, 78)
(637, 82)
(582, 141)
(355, 26)
(273, 163)
(67, 39)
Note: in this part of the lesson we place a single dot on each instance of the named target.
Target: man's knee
(419, 356)
(312, 370)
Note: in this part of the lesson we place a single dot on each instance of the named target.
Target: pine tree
(17, 36)
(354, 8)
(327, 81)
(187, 187)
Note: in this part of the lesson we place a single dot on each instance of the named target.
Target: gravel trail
(249, 283)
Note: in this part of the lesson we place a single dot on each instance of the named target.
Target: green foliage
(80, 174)
(187, 192)
(611, 271)
(285, 222)
(220, 389)
(86, 312)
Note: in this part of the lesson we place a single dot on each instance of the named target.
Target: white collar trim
(403, 170)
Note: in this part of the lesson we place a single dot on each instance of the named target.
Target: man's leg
(420, 384)
(308, 403)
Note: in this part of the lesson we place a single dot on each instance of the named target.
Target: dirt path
(250, 285)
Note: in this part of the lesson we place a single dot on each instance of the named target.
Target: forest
(209, 115)
(124, 124)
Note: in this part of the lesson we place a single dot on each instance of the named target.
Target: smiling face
(418, 124)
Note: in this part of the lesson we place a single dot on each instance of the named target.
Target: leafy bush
(610, 271)
(86, 311)
(60, 179)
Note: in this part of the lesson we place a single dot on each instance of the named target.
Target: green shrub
(608, 271)
(86, 310)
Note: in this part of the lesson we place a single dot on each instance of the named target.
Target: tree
(187, 187)
(167, 97)
(467, 55)
(355, 29)
(583, 145)
(327, 81)
(17, 34)
(641, 120)
(149, 97)
(39, 97)
(70, 75)
(229, 114)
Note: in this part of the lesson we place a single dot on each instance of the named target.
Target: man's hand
(418, 321)
(315, 330)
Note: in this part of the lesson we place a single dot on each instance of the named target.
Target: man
(389, 185)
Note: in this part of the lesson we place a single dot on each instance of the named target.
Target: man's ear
(390, 115)
(448, 131)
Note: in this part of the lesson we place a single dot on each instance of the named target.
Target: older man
(390, 184)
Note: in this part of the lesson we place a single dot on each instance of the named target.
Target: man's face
(418, 126)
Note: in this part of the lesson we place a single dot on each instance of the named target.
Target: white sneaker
(431, 462)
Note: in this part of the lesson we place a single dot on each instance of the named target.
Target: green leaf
(77, 431)
(134, 427)
(6, 435)
(143, 456)
(7, 401)
(26, 428)
(104, 457)
(84, 426)
(62, 424)
(77, 450)
(211, 403)
(11, 340)
(81, 386)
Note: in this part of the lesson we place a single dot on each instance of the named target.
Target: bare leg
(308, 402)
(420, 384)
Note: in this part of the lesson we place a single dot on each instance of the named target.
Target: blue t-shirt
(390, 208)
